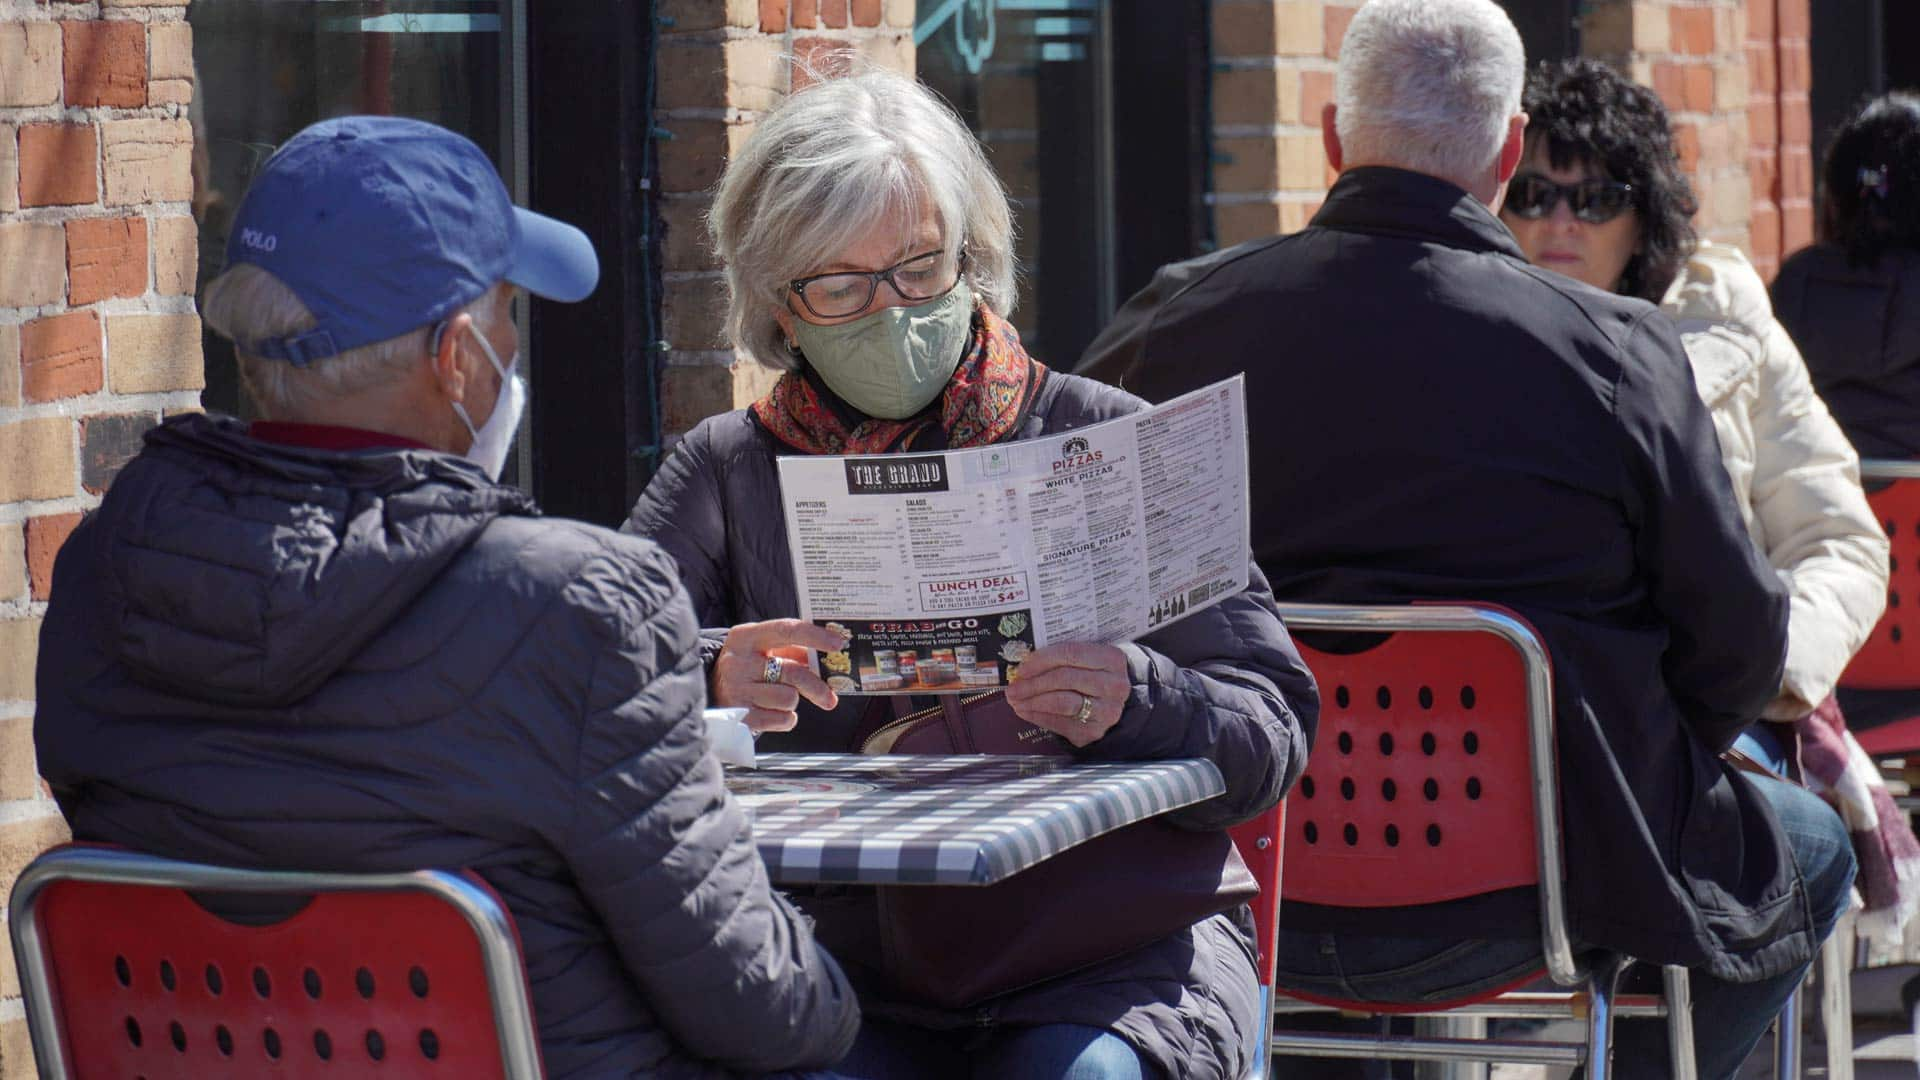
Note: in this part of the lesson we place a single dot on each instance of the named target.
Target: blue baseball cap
(382, 225)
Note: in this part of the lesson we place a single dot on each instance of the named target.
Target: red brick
(1762, 126)
(1316, 93)
(1796, 67)
(1796, 21)
(106, 63)
(1690, 30)
(60, 356)
(106, 257)
(1796, 175)
(59, 165)
(1686, 145)
(1796, 226)
(1763, 177)
(45, 535)
(1334, 23)
(1796, 124)
(804, 13)
(1760, 20)
(1669, 81)
(866, 12)
(1762, 72)
(814, 54)
(833, 13)
(773, 16)
(1697, 83)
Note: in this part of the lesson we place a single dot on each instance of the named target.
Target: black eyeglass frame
(798, 286)
(1579, 197)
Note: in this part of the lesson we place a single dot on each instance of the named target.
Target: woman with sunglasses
(1852, 304)
(1600, 197)
(868, 249)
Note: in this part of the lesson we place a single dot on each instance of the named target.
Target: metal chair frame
(1601, 1001)
(1261, 839)
(492, 928)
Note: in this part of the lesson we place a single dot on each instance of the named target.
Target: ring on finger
(1085, 714)
(771, 673)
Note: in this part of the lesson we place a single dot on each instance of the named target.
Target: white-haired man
(330, 640)
(1440, 420)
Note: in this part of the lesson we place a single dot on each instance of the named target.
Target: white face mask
(493, 440)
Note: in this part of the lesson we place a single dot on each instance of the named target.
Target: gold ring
(771, 674)
(1085, 714)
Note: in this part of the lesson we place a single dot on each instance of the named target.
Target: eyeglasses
(1594, 200)
(838, 295)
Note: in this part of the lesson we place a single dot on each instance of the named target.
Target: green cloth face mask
(892, 363)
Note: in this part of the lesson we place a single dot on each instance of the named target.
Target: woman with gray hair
(868, 249)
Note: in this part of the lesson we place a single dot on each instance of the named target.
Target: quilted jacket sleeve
(682, 511)
(1816, 528)
(665, 855)
(1224, 684)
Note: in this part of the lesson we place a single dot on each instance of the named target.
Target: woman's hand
(777, 648)
(1075, 689)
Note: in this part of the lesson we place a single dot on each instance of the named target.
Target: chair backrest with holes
(403, 975)
(1890, 660)
(1420, 788)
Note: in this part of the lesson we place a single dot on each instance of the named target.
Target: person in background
(869, 256)
(1852, 303)
(331, 640)
(1601, 197)
(1852, 300)
(1444, 420)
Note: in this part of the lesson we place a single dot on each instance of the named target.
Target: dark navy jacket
(1433, 418)
(266, 656)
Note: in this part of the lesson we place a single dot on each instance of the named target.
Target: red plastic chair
(1432, 779)
(396, 975)
(1259, 842)
(1890, 660)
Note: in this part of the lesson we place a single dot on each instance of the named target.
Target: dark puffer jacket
(1225, 684)
(376, 661)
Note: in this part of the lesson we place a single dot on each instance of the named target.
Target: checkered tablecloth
(962, 820)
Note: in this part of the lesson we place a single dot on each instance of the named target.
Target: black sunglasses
(1594, 200)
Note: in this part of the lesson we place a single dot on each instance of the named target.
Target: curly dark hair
(1590, 114)
(1870, 182)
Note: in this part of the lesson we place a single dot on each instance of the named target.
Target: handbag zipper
(887, 734)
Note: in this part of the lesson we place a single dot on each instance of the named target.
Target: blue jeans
(886, 1051)
(1728, 1017)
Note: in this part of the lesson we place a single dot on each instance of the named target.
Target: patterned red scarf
(986, 400)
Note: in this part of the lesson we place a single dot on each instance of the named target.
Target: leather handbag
(1100, 899)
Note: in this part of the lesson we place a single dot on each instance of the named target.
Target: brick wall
(1273, 75)
(98, 336)
(1735, 82)
(1694, 54)
(1780, 163)
(722, 63)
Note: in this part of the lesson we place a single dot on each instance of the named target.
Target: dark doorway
(1548, 28)
(595, 417)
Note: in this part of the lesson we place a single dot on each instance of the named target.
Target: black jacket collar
(1379, 199)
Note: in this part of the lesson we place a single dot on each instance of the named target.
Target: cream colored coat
(1795, 475)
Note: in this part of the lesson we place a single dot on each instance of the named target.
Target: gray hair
(831, 164)
(1428, 85)
(247, 303)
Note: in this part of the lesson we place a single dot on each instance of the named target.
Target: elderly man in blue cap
(331, 640)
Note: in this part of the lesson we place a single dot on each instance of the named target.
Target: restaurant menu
(943, 571)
